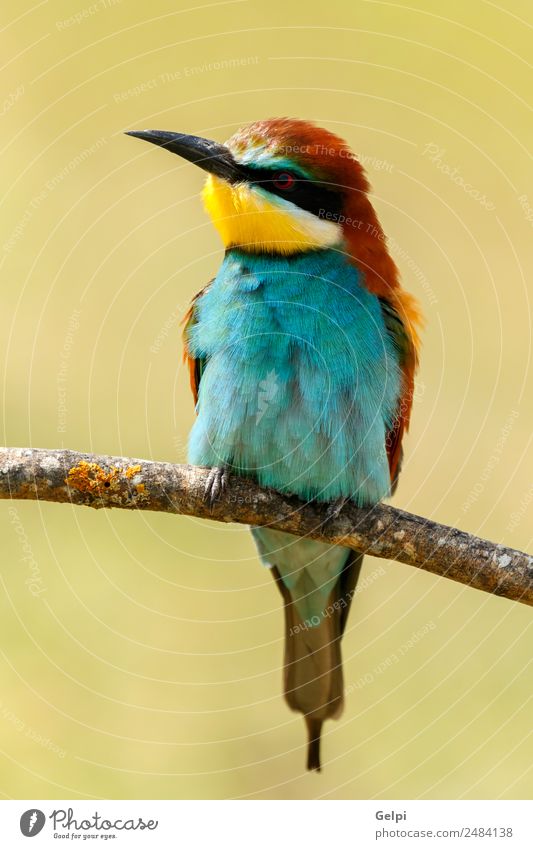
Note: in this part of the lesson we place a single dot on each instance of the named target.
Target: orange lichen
(91, 478)
(114, 483)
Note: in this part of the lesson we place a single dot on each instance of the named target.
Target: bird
(302, 353)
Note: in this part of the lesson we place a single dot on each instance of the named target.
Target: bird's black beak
(209, 155)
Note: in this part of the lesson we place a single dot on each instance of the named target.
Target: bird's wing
(401, 317)
(196, 365)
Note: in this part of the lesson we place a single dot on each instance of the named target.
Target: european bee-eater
(302, 353)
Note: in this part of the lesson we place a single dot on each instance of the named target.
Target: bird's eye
(284, 181)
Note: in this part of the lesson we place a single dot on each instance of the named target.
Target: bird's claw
(216, 484)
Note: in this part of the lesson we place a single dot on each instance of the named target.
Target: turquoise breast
(301, 378)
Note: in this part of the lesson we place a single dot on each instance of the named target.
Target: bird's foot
(335, 509)
(216, 484)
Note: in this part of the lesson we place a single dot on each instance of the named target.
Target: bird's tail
(313, 679)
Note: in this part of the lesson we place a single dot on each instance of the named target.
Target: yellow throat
(247, 218)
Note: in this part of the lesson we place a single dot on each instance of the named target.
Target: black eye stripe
(311, 195)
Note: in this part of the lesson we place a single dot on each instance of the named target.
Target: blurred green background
(144, 660)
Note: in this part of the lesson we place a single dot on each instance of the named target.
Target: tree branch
(383, 531)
